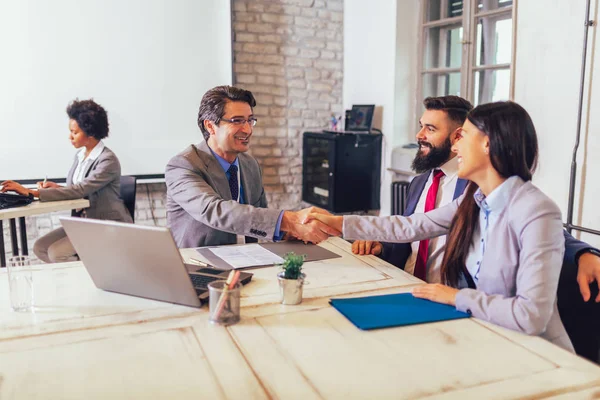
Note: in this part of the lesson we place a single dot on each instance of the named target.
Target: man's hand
(436, 292)
(588, 271)
(314, 232)
(366, 247)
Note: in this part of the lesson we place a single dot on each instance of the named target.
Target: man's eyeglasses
(241, 121)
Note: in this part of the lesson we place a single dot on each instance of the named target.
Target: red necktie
(420, 265)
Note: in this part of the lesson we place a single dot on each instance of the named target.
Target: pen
(46, 179)
(200, 263)
(232, 280)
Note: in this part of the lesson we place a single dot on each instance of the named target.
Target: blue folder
(393, 310)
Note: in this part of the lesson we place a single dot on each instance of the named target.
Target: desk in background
(35, 208)
(87, 343)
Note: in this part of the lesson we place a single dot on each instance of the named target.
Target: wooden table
(35, 208)
(86, 343)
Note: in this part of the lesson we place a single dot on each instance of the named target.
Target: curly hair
(212, 106)
(90, 116)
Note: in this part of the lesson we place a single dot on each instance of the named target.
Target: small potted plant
(291, 279)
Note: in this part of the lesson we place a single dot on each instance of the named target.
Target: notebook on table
(390, 310)
(311, 252)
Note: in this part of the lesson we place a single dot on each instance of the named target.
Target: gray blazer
(519, 273)
(200, 210)
(101, 186)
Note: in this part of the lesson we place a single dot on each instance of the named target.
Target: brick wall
(289, 54)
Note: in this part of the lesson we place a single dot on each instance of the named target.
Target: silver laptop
(140, 261)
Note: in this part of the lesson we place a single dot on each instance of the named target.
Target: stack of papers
(250, 255)
(260, 254)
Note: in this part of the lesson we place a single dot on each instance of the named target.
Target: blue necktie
(233, 181)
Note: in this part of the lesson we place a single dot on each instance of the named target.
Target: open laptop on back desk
(141, 261)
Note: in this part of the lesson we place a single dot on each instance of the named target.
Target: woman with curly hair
(95, 175)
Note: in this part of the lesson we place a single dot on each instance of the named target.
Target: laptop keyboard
(202, 281)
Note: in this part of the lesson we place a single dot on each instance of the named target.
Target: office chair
(128, 189)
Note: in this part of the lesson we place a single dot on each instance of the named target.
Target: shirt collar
(498, 199)
(450, 168)
(96, 151)
(223, 162)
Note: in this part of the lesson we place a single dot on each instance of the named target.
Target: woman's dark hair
(212, 106)
(90, 116)
(513, 151)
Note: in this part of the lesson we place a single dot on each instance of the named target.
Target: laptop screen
(361, 117)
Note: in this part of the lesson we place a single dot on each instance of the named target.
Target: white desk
(86, 343)
(35, 208)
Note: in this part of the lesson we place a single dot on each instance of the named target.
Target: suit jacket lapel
(246, 180)
(72, 171)
(416, 188)
(214, 171)
(96, 161)
(461, 184)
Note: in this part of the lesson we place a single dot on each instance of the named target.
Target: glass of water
(20, 282)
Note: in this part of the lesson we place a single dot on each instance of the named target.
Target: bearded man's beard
(436, 158)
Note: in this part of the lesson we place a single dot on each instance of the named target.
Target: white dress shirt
(85, 162)
(445, 195)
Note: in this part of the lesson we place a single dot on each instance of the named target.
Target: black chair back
(128, 190)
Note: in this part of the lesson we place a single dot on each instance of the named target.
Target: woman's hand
(436, 292)
(12, 186)
(47, 185)
(333, 221)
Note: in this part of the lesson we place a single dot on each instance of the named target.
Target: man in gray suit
(215, 194)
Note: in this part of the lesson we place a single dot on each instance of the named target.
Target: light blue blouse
(490, 208)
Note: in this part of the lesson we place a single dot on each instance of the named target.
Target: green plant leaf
(292, 265)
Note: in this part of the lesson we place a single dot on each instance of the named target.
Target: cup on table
(224, 305)
(20, 283)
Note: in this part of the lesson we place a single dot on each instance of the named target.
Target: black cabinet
(341, 173)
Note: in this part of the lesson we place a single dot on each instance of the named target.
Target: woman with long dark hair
(95, 175)
(505, 242)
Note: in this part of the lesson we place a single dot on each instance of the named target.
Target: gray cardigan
(520, 268)
(101, 186)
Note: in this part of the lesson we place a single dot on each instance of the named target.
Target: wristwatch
(594, 252)
(590, 250)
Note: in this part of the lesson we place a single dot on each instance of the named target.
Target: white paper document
(249, 255)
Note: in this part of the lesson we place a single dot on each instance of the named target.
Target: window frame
(468, 68)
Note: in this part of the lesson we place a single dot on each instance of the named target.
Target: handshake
(314, 225)
(311, 224)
